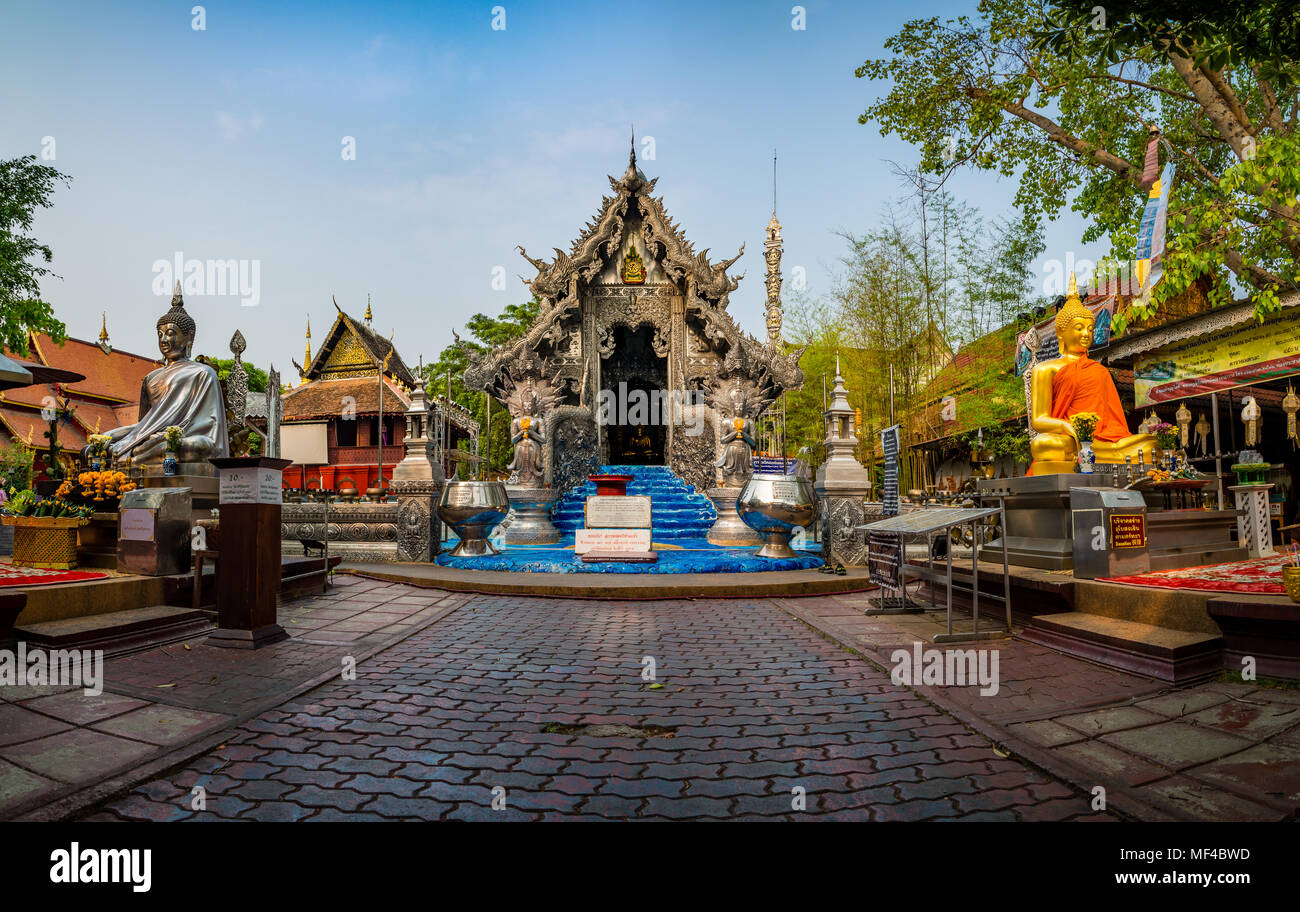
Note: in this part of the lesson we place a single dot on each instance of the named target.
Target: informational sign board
(136, 524)
(889, 442)
(1128, 530)
(1240, 355)
(305, 443)
(885, 558)
(612, 511)
(250, 486)
(611, 540)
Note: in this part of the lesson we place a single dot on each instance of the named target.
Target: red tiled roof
(318, 399)
(116, 375)
(24, 424)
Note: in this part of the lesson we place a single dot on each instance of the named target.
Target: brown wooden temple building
(339, 400)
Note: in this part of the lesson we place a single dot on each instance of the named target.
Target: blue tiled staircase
(677, 511)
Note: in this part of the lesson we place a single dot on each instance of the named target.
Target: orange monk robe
(1086, 386)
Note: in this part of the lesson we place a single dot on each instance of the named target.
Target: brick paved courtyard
(759, 705)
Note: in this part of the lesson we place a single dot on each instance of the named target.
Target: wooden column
(248, 568)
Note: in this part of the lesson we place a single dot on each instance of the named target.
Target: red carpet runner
(31, 576)
(1262, 575)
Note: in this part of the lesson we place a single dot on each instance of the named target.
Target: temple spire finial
(631, 159)
(369, 316)
(307, 359)
(103, 336)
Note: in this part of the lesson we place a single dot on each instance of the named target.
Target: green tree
(25, 186)
(1068, 108)
(449, 370)
(257, 378)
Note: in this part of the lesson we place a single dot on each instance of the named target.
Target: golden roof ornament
(369, 316)
(104, 344)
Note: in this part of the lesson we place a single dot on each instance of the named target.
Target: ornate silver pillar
(417, 482)
(842, 483)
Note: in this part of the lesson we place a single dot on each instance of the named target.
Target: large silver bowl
(775, 506)
(473, 509)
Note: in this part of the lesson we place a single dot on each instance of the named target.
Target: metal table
(927, 521)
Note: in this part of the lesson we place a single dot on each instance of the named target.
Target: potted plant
(1084, 424)
(172, 436)
(45, 530)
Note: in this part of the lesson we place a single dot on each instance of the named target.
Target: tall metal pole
(379, 458)
(785, 469)
(891, 393)
(486, 465)
(1218, 448)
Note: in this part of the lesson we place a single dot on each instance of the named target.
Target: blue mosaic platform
(678, 556)
(680, 519)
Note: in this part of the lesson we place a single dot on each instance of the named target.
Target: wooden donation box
(153, 531)
(1110, 532)
(617, 528)
(248, 568)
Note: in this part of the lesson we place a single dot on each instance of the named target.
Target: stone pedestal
(248, 571)
(840, 516)
(1253, 530)
(530, 516)
(729, 530)
(1038, 531)
(419, 531)
(203, 489)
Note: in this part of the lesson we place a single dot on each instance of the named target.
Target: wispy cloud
(233, 127)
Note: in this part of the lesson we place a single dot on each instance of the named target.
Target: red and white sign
(619, 540)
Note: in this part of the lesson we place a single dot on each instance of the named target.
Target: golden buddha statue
(1074, 383)
(633, 268)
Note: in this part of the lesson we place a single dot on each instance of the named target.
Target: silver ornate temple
(632, 309)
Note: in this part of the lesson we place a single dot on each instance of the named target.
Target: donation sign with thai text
(253, 485)
(1128, 530)
(611, 511)
(136, 525)
(1239, 355)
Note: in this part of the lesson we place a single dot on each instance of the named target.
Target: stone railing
(357, 531)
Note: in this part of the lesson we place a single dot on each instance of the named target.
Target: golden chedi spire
(104, 344)
(307, 359)
(369, 316)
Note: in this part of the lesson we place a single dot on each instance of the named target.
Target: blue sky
(226, 143)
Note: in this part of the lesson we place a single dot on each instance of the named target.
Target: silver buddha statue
(183, 393)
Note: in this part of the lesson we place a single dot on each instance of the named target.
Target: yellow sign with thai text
(1240, 355)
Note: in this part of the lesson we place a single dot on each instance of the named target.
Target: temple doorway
(634, 379)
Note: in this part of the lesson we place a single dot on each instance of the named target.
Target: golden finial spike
(1072, 308)
(308, 358)
(103, 332)
(369, 315)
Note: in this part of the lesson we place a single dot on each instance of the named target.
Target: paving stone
(79, 708)
(1177, 745)
(1101, 721)
(1270, 770)
(18, 724)
(77, 756)
(1181, 702)
(160, 724)
(1109, 762)
(1255, 720)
